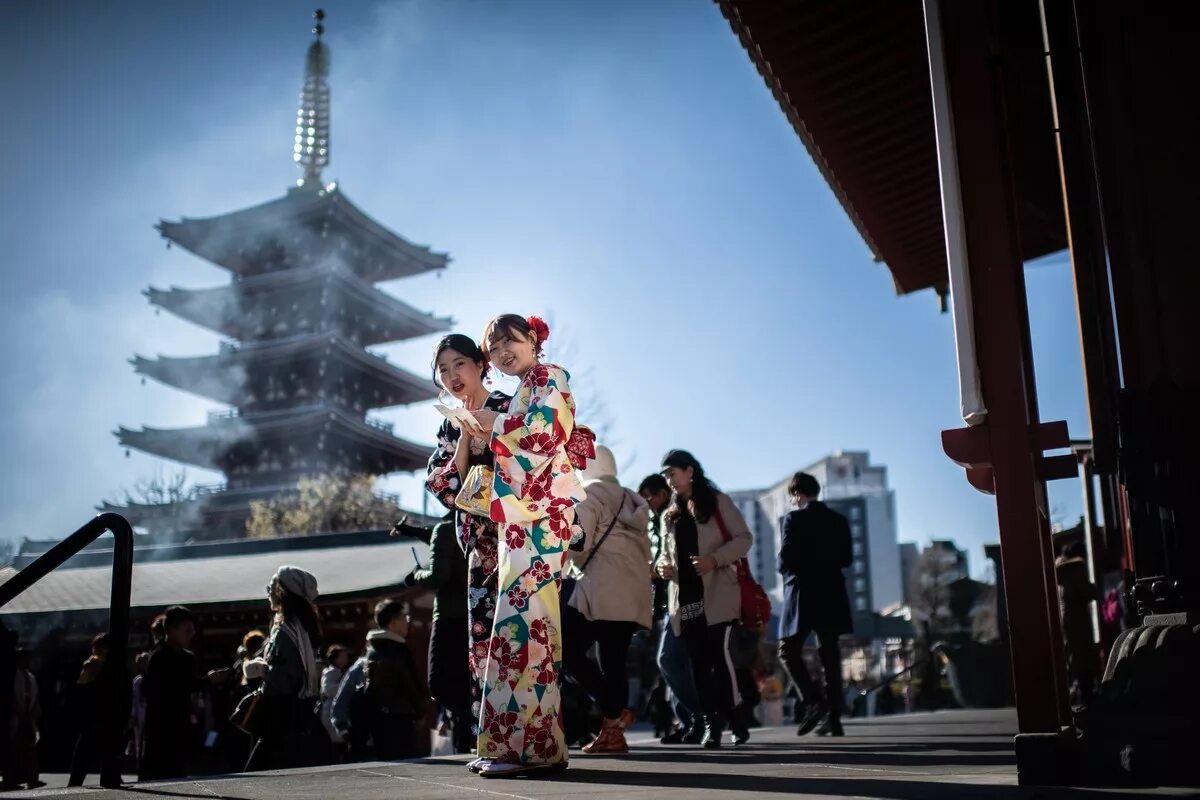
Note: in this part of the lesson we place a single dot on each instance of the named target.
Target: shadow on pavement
(882, 789)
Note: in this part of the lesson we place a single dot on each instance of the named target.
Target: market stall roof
(366, 564)
(853, 79)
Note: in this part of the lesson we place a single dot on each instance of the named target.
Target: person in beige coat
(611, 599)
(705, 537)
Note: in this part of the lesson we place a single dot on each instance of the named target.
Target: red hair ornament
(540, 330)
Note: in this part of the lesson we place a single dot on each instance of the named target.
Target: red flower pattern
(541, 443)
(547, 675)
(559, 527)
(540, 571)
(539, 631)
(510, 658)
(540, 734)
(514, 536)
(502, 724)
(518, 597)
(539, 487)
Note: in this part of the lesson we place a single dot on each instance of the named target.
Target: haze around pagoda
(299, 312)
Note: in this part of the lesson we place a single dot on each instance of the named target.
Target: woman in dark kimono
(460, 369)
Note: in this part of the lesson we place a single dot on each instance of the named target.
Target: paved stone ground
(959, 755)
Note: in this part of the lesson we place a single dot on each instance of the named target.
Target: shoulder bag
(568, 584)
(756, 606)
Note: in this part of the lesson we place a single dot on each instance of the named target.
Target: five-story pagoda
(299, 312)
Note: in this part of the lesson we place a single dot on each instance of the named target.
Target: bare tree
(326, 504)
(935, 569)
(158, 490)
(595, 411)
(8, 550)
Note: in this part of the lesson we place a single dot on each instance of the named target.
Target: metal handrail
(892, 677)
(115, 673)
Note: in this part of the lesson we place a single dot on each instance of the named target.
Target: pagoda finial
(312, 117)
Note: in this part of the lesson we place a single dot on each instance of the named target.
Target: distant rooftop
(224, 572)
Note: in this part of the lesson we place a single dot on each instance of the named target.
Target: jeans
(676, 670)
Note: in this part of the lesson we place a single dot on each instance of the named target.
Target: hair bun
(540, 329)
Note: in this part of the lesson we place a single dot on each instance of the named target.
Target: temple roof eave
(220, 308)
(203, 446)
(216, 376)
(220, 239)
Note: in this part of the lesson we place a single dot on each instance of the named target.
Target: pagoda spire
(311, 150)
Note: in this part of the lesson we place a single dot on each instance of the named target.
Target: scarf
(299, 636)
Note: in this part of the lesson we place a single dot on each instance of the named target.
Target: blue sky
(618, 166)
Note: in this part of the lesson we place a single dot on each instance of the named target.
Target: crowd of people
(543, 560)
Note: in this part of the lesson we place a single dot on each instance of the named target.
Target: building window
(860, 585)
(856, 531)
(858, 549)
(858, 566)
(860, 603)
(855, 512)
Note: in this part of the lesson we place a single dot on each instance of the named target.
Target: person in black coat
(172, 677)
(449, 669)
(815, 549)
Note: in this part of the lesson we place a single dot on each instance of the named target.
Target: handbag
(756, 606)
(568, 584)
(248, 716)
(475, 496)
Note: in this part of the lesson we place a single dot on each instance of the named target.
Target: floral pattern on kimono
(533, 501)
(477, 535)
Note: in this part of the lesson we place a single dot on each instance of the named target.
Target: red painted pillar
(974, 56)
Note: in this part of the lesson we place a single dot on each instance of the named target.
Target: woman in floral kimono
(539, 452)
(460, 368)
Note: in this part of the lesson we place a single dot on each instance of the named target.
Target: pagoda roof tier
(227, 376)
(207, 446)
(241, 309)
(304, 228)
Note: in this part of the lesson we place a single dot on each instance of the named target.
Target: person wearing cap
(290, 678)
(705, 536)
(611, 599)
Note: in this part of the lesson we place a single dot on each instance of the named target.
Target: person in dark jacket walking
(815, 548)
(449, 668)
(672, 664)
(172, 677)
(395, 695)
(85, 704)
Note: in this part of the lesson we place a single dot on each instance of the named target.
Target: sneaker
(478, 764)
(611, 740)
